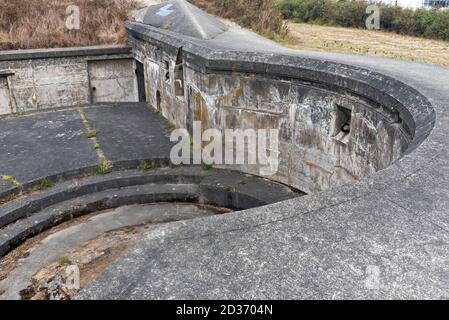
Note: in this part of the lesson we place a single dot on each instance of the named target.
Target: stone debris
(58, 281)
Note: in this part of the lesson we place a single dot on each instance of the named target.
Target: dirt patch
(63, 279)
(10, 261)
(86, 260)
(217, 210)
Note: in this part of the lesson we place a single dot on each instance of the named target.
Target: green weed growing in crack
(104, 167)
(147, 165)
(206, 167)
(11, 179)
(43, 185)
(90, 134)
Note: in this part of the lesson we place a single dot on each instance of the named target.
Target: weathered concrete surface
(36, 146)
(112, 80)
(385, 236)
(41, 145)
(127, 132)
(224, 85)
(182, 17)
(57, 244)
(5, 98)
(43, 79)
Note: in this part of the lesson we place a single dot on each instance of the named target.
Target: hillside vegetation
(262, 16)
(26, 24)
(432, 24)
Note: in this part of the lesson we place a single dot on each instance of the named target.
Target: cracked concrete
(40, 145)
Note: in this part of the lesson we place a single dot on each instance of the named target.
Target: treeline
(432, 24)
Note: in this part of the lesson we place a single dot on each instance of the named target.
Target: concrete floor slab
(36, 146)
(130, 131)
(39, 145)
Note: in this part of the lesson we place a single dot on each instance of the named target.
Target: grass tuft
(147, 165)
(11, 179)
(43, 185)
(90, 134)
(206, 167)
(104, 167)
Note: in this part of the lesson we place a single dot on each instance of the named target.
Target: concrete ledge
(9, 55)
(14, 234)
(5, 73)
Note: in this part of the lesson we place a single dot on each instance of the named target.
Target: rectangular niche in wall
(179, 75)
(112, 81)
(167, 72)
(342, 124)
(140, 75)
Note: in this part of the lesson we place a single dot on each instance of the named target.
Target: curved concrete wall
(307, 100)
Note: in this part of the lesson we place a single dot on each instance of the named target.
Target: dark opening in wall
(167, 71)
(158, 101)
(140, 75)
(179, 75)
(5, 96)
(342, 127)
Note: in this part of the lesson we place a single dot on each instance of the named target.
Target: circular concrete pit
(365, 138)
(42, 230)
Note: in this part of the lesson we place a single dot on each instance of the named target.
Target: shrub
(351, 13)
(262, 16)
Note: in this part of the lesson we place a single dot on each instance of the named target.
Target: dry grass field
(26, 24)
(367, 42)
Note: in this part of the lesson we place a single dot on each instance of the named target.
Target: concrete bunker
(336, 123)
(332, 130)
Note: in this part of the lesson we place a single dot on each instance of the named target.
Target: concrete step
(219, 185)
(31, 203)
(31, 214)
(15, 233)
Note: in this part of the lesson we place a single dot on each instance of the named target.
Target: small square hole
(342, 124)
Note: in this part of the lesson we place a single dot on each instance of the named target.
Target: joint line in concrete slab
(104, 164)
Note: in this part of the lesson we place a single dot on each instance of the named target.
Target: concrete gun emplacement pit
(357, 208)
